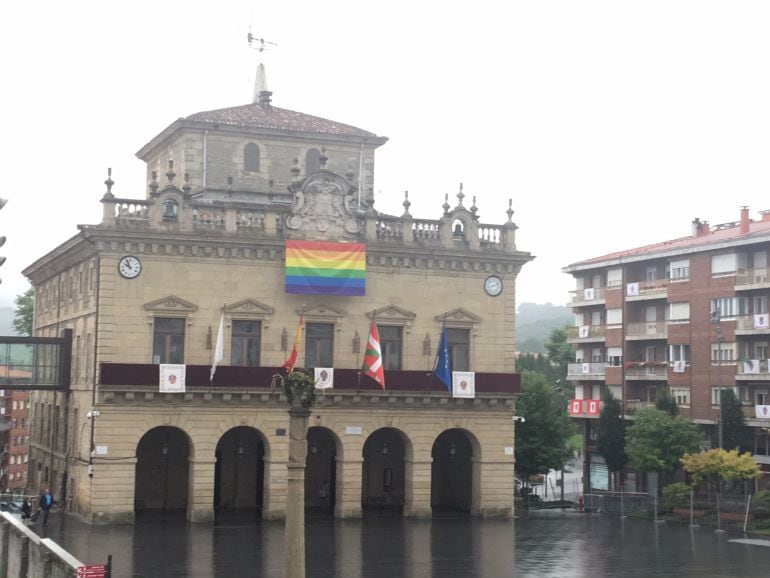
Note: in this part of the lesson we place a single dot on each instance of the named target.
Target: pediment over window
(323, 312)
(459, 318)
(391, 313)
(170, 304)
(250, 307)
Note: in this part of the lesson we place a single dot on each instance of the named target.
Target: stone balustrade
(188, 215)
(24, 553)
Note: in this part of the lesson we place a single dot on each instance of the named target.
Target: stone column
(418, 485)
(349, 479)
(294, 540)
(201, 491)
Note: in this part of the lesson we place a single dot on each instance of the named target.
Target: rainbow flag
(325, 268)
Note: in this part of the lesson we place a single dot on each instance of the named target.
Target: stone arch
(455, 471)
(324, 448)
(162, 470)
(239, 470)
(384, 481)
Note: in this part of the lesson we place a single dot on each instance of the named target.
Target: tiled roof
(718, 236)
(269, 117)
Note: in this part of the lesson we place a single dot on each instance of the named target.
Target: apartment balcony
(634, 405)
(758, 324)
(749, 279)
(646, 371)
(586, 371)
(262, 379)
(591, 296)
(646, 330)
(586, 334)
(644, 290)
(752, 370)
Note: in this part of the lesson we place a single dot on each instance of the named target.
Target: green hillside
(534, 323)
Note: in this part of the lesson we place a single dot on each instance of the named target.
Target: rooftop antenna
(260, 94)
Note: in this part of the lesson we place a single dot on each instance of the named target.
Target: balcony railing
(752, 369)
(646, 370)
(647, 330)
(640, 290)
(634, 405)
(586, 370)
(586, 332)
(752, 277)
(753, 324)
(591, 295)
(262, 378)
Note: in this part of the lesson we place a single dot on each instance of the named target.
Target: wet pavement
(548, 543)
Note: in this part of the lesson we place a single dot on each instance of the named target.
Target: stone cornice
(107, 240)
(238, 398)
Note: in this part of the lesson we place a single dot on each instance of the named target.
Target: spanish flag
(292, 360)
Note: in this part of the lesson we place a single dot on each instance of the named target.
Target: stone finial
(187, 187)
(474, 209)
(460, 197)
(406, 204)
(109, 182)
(446, 206)
(509, 212)
(295, 169)
(323, 158)
(154, 183)
(170, 174)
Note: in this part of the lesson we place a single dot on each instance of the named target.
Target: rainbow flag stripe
(325, 268)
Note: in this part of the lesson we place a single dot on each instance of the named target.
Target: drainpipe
(205, 157)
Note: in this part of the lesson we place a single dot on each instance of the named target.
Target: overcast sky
(610, 124)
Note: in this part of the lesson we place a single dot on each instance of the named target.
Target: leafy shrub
(676, 495)
(760, 504)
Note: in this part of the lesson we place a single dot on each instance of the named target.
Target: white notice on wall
(172, 377)
(354, 430)
(508, 450)
(101, 450)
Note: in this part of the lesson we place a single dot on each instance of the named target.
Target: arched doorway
(239, 473)
(162, 470)
(452, 472)
(321, 471)
(384, 479)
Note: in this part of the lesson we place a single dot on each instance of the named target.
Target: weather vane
(260, 42)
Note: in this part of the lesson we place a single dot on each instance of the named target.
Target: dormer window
(251, 158)
(312, 162)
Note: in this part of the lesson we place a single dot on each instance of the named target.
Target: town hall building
(149, 287)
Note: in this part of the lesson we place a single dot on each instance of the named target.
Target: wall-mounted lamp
(240, 449)
(384, 449)
(164, 449)
(314, 449)
(452, 451)
(519, 418)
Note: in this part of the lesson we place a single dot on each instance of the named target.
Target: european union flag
(443, 369)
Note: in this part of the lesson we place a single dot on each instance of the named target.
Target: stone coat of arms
(324, 205)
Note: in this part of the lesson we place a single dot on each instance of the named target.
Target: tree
(25, 308)
(668, 404)
(717, 464)
(735, 434)
(541, 438)
(611, 434)
(560, 353)
(657, 441)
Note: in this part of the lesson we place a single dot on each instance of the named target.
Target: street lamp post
(716, 319)
(560, 389)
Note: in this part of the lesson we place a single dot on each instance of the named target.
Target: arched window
(312, 162)
(170, 210)
(251, 158)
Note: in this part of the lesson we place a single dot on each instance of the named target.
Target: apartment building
(687, 315)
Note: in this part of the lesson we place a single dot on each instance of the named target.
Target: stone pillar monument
(299, 389)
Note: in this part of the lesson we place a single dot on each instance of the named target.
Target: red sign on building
(92, 571)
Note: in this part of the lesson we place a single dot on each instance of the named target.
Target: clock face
(493, 285)
(130, 267)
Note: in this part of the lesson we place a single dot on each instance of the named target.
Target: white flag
(219, 350)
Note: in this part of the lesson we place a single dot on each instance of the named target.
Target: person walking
(46, 501)
(26, 509)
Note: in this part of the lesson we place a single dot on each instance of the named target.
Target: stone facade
(213, 245)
